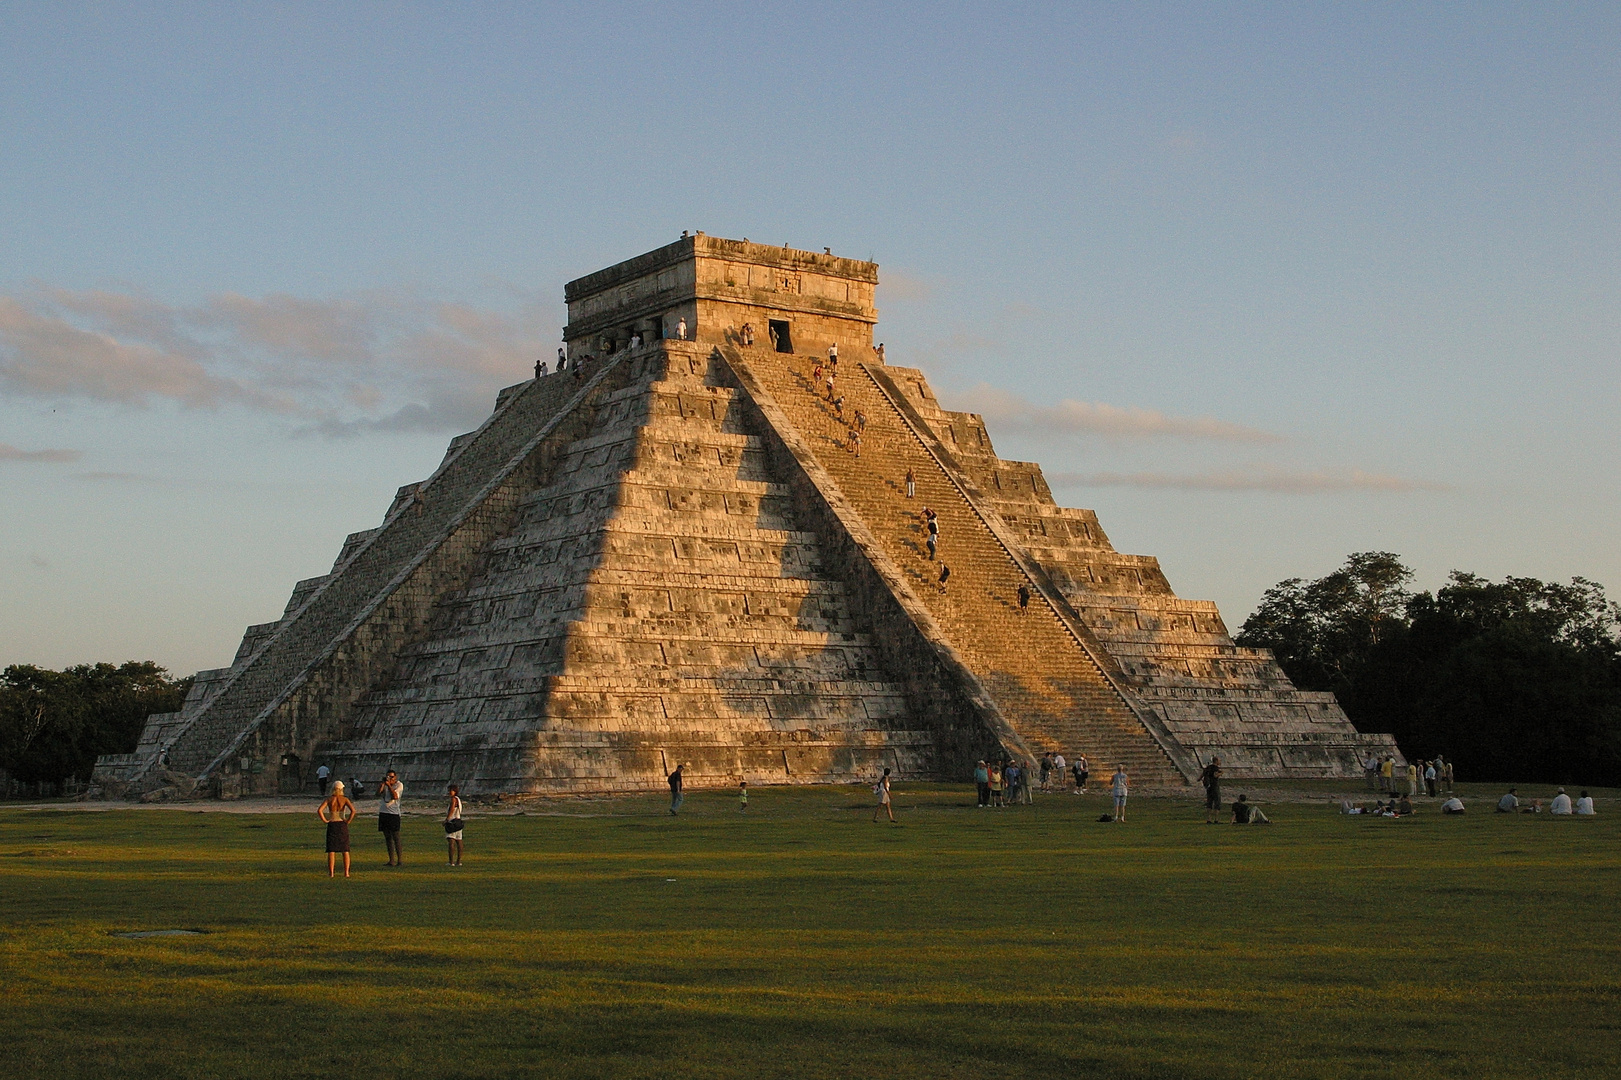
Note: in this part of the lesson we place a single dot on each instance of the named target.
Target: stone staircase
(1043, 680)
(444, 522)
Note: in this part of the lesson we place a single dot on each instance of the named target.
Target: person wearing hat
(337, 811)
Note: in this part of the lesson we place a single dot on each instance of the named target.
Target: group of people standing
(1054, 766)
(1430, 778)
(1002, 783)
(337, 810)
(1007, 782)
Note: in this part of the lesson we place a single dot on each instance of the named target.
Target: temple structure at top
(704, 542)
(793, 301)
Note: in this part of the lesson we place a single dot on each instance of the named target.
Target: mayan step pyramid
(683, 548)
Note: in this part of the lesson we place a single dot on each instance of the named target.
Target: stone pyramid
(684, 548)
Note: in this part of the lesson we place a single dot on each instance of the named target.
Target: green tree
(1517, 679)
(54, 724)
(1322, 631)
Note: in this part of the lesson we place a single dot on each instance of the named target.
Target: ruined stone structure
(675, 550)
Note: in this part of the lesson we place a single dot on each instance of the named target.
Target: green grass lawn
(604, 938)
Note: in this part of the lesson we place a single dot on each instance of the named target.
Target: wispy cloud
(49, 457)
(1259, 478)
(118, 477)
(383, 361)
(1095, 418)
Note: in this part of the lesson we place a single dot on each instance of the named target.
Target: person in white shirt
(1561, 803)
(1584, 805)
(681, 329)
(1508, 803)
(1119, 791)
(1059, 765)
(389, 793)
(1453, 805)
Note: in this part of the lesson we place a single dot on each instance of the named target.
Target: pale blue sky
(1261, 285)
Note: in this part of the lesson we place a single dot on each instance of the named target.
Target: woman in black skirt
(337, 811)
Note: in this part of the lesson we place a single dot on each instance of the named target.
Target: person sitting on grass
(1453, 805)
(1584, 806)
(1534, 808)
(1247, 813)
(1561, 804)
(1404, 807)
(1508, 803)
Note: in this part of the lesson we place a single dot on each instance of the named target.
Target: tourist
(881, 789)
(1024, 784)
(388, 815)
(833, 354)
(911, 484)
(1453, 805)
(880, 351)
(337, 811)
(816, 375)
(748, 334)
(321, 773)
(1387, 773)
(676, 785)
(1046, 769)
(829, 380)
(945, 571)
(1449, 777)
(997, 783)
(855, 443)
(1534, 808)
(861, 420)
(1584, 806)
(1561, 804)
(1429, 777)
(743, 796)
(1508, 803)
(932, 544)
(982, 780)
(1412, 779)
(1404, 807)
(1211, 779)
(838, 407)
(453, 827)
(1119, 790)
(681, 329)
(1370, 772)
(1059, 766)
(1024, 599)
(1246, 813)
(562, 358)
(1082, 771)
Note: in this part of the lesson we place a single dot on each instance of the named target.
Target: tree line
(1518, 679)
(54, 724)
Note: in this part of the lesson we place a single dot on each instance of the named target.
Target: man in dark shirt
(675, 789)
(1211, 779)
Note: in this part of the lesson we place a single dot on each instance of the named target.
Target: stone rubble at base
(666, 554)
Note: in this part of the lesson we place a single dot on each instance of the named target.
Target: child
(743, 796)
